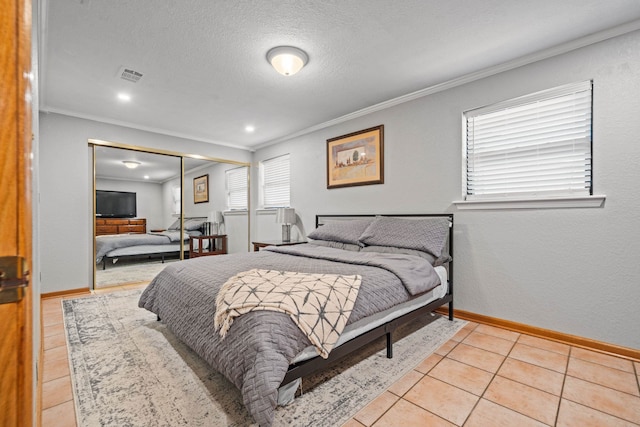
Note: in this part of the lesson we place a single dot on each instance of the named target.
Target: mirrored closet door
(152, 208)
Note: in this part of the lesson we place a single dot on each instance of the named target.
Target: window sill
(266, 211)
(595, 201)
(236, 212)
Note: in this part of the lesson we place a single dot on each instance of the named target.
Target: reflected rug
(127, 272)
(129, 369)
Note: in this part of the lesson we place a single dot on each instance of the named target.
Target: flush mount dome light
(287, 60)
(131, 164)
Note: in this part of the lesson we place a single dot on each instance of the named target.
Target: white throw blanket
(319, 304)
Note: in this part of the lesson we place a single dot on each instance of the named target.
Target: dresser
(106, 226)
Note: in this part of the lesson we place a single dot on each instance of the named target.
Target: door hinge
(14, 277)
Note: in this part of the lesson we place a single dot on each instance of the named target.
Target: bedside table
(265, 243)
(216, 245)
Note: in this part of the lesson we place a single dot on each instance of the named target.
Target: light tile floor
(483, 376)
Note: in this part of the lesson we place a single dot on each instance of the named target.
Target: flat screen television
(115, 204)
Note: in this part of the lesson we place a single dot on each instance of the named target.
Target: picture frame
(201, 189)
(356, 158)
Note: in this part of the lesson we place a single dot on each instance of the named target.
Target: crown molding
(152, 129)
(468, 78)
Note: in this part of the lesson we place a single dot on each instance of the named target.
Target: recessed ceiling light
(146, 177)
(131, 164)
(124, 97)
(249, 128)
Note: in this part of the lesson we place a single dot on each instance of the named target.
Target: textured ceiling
(205, 75)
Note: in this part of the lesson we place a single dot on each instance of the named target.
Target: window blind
(275, 182)
(535, 146)
(236, 188)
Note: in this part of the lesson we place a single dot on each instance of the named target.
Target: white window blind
(275, 175)
(534, 146)
(236, 185)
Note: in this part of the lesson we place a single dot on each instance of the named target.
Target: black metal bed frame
(147, 255)
(317, 363)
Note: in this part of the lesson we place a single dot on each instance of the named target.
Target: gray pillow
(337, 245)
(426, 235)
(175, 225)
(347, 231)
(405, 251)
(191, 224)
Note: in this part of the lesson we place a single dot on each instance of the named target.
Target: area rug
(129, 369)
(127, 272)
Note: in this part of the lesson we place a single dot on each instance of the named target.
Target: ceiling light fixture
(124, 97)
(249, 128)
(131, 164)
(287, 60)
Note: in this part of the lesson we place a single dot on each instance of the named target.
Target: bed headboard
(323, 219)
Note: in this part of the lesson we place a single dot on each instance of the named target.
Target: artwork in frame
(201, 189)
(356, 158)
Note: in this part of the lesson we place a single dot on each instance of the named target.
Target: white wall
(66, 190)
(570, 270)
(149, 202)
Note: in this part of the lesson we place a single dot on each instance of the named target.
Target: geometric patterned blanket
(319, 304)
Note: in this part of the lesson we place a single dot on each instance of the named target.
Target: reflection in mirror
(132, 210)
(206, 195)
(139, 204)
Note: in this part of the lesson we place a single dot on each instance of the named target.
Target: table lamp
(286, 217)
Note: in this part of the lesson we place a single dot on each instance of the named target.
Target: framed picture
(201, 189)
(356, 158)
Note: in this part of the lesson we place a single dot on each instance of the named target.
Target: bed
(152, 244)
(401, 263)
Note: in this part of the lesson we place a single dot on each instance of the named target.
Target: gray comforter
(257, 349)
(105, 244)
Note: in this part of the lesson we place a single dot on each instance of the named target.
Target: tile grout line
(493, 376)
(564, 380)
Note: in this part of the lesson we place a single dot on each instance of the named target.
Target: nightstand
(215, 245)
(265, 243)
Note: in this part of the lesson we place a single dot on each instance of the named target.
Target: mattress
(152, 249)
(145, 249)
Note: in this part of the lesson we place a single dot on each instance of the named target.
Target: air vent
(129, 74)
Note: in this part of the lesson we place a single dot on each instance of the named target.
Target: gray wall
(66, 189)
(570, 270)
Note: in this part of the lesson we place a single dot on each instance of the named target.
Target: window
(236, 186)
(274, 178)
(535, 146)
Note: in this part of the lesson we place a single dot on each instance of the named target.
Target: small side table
(265, 243)
(216, 245)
